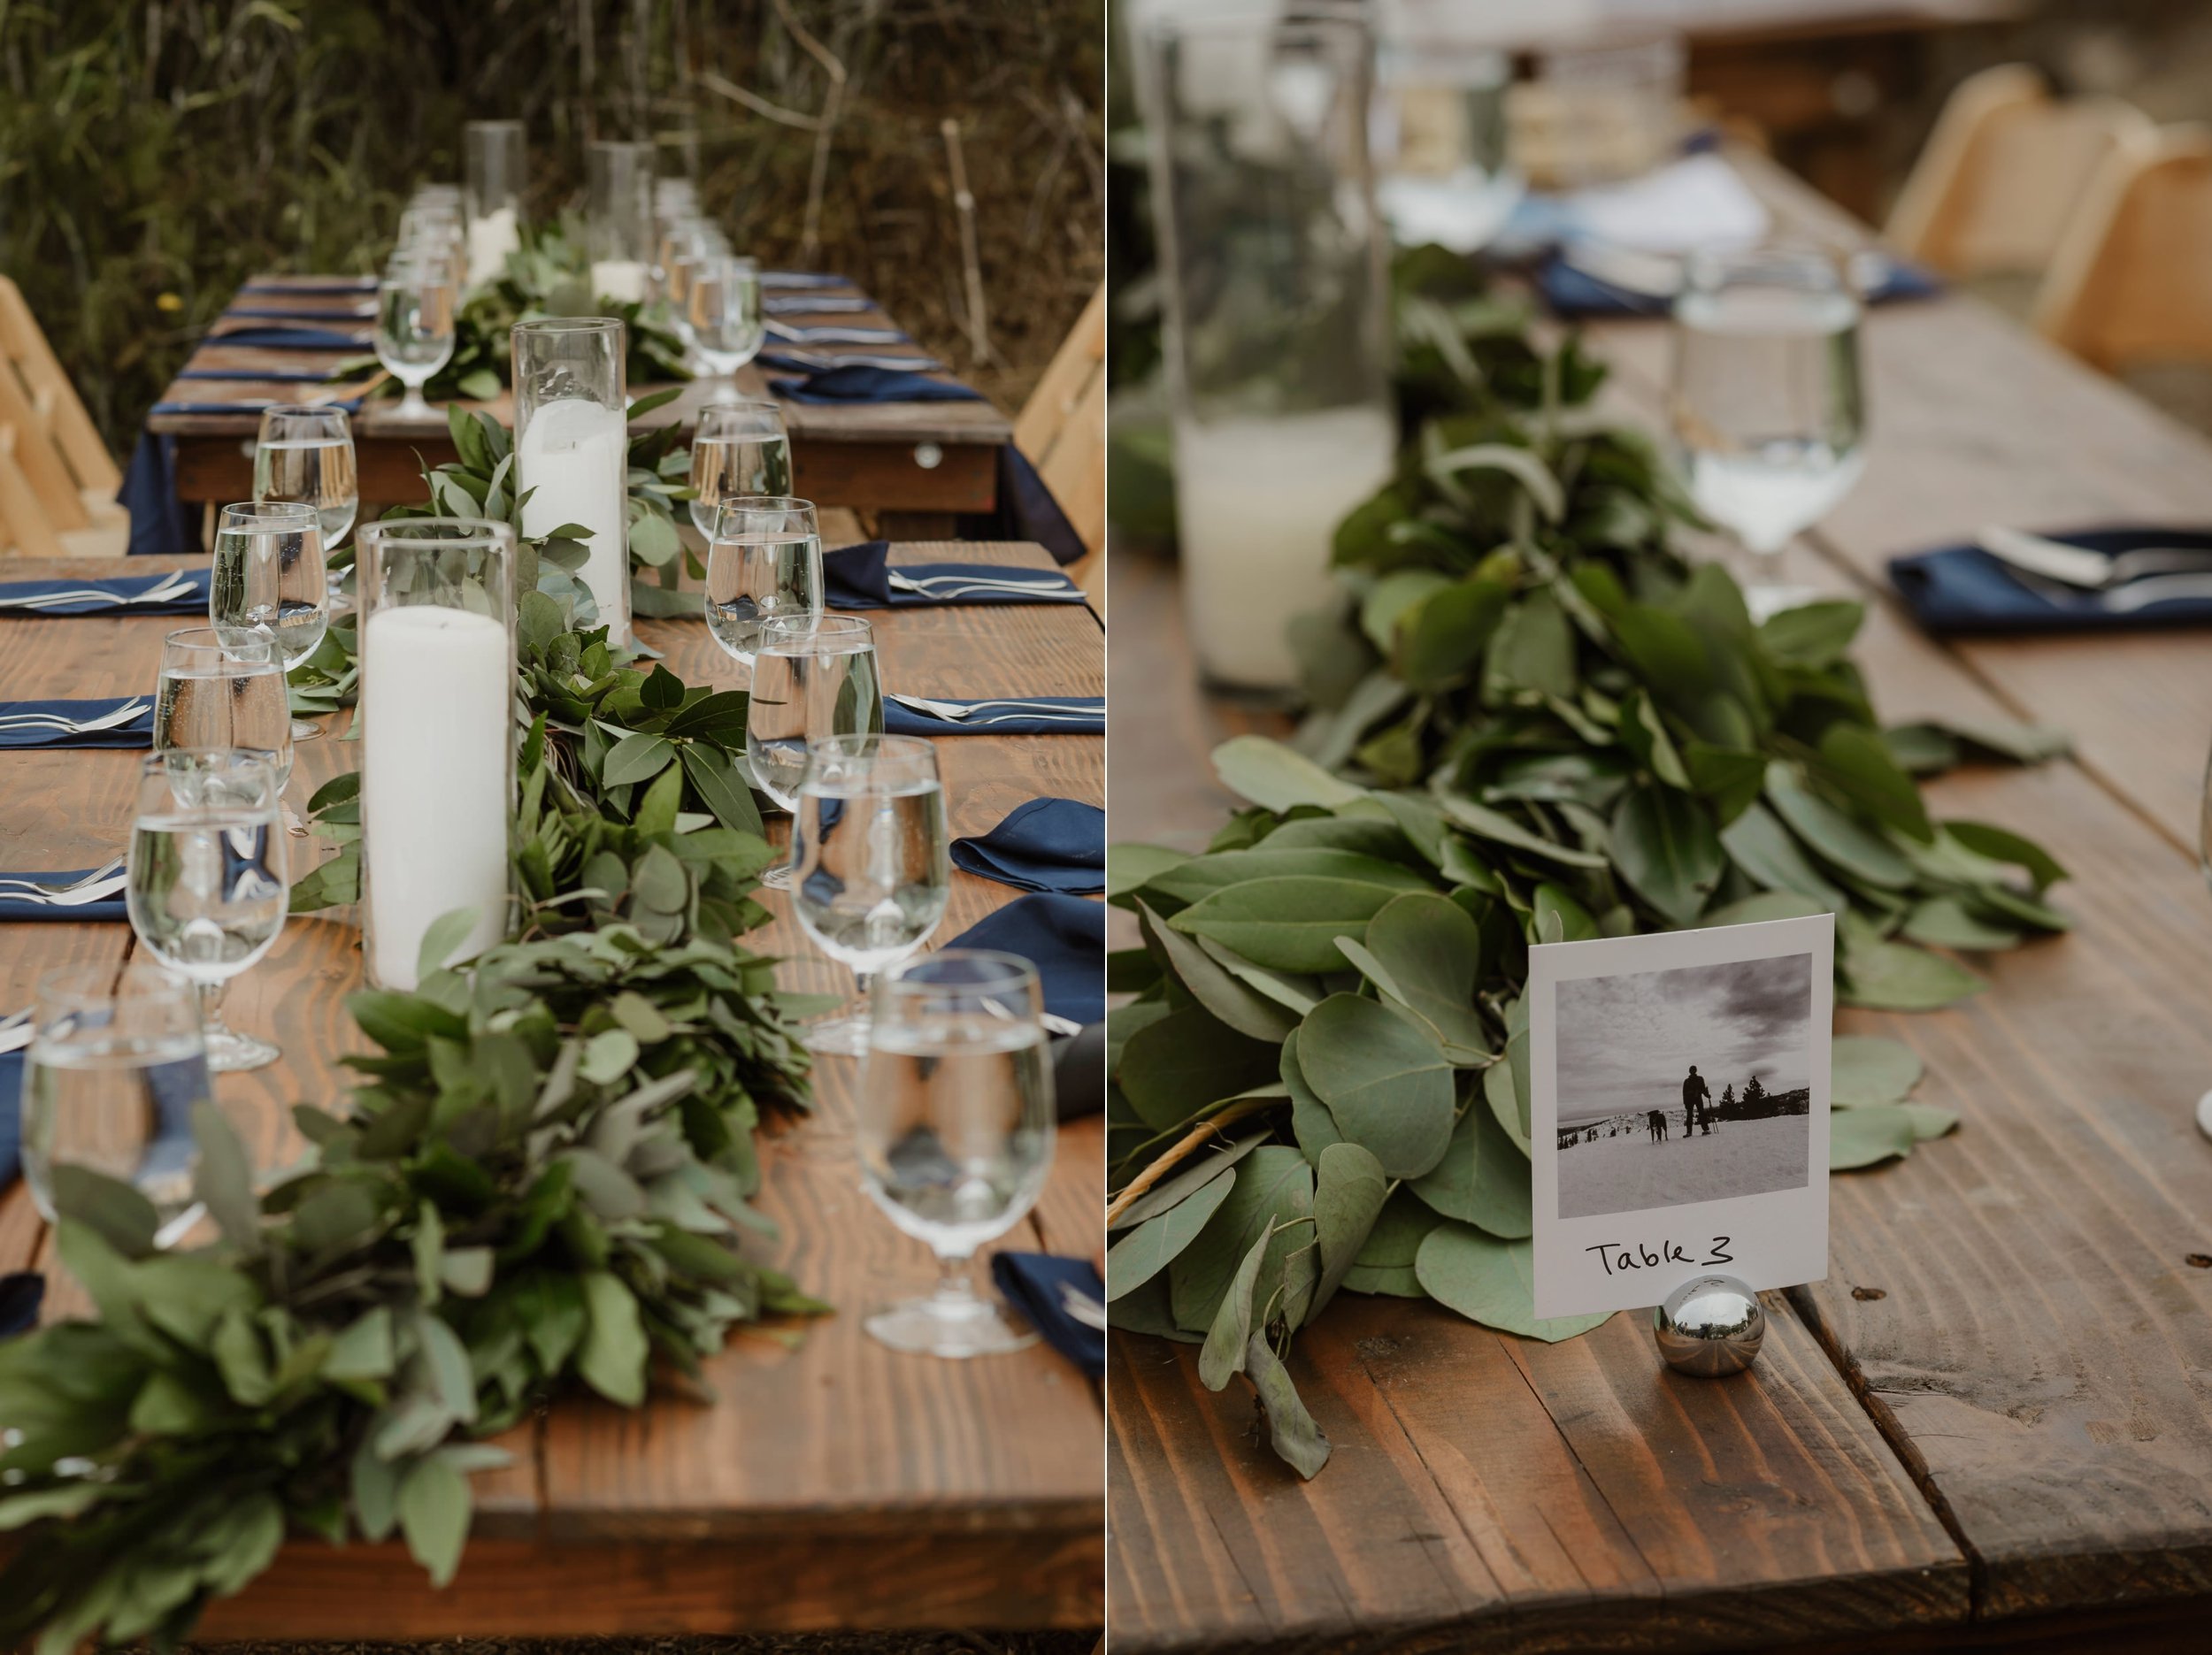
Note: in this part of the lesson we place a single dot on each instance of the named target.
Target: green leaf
(1494, 825)
(1251, 1014)
(1272, 775)
(114, 1210)
(1665, 847)
(1179, 1186)
(1310, 1123)
(1130, 866)
(720, 789)
(1222, 1357)
(1835, 837)
(434, 1514)
(1348, 1192)
(1484, 1178)
(223, 1181)
(637, 757)
(1946, 922)
(1491, 1282)
(1291, 1431)
(1172, 1068)
(1863, 1136)
(443, 939)
(1812, 635)
(1273, 1185)
(1430, 950)
(1866, 1069)
(1758, 843)
(1144, 1251)
(1855, 759)
(1385, 1079)
(2001, 846)
(1442, 640)
(1518, 462)
(1287, 924)
(612, 1358)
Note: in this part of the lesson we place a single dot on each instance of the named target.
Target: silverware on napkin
(2093, 571)
(977, 712)
(176, 585)
(58, 725)
(960, 585)
(1082, 1306)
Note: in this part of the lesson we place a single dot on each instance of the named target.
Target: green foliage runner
(1533, 721)
(540, 1181)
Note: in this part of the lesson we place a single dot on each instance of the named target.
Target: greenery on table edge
(1534, 720)
(541, 1178)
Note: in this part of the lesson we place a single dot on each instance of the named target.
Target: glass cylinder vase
(1276, 331)
(619, 228)
(437, 604)
(497, 156)
(572, 447)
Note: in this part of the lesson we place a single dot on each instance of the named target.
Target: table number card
(1678, 1111)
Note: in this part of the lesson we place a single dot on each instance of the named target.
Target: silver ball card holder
(1711, 1326)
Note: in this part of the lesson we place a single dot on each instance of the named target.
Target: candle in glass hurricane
(619, 228)
(437, 746)
(572, 448)
(496, 155)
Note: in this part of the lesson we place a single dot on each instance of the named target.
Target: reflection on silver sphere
(1711, 1326)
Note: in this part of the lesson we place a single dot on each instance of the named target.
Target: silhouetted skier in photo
(1694, 1095)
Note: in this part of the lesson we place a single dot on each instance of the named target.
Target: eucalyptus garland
(1532, 721)
(543, 1178)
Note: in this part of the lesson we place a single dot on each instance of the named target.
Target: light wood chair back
(2132, 283)
(2005, 173)
(59, 481)
(1062, 429)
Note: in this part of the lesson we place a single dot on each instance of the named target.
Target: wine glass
(206, 885)
(813, 677)
(223, 691)
(871, 862)
(1769, 416)
(269, 582)
(722, 301)
(116, 1063)
(764, 564)
(739, 449)
(955, 1128)
(306, 454)
(415, 326)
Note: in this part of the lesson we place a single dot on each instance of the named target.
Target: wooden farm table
(1991, 1427)
(834, 1483)
(924, 463)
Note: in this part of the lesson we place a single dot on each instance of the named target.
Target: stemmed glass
(871, 862)
(306, 454)
(269, 582)
(206, 878)
(739, 449)
(218, 691)
(955, 1128)
(115, 1066)
(722, 301)
(814, 677)
(764, 564)
(684, 243)
(415, 326)
(1768, 411)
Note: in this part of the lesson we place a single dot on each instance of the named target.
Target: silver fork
(55, 722)
(113, 865)
(1020, 708)
(75, 896)
(17, 1031)
(928, 584)
(175, 585)
(1082, 1306)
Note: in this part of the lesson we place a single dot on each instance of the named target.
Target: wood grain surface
(1992, 1426)
(831, 1482)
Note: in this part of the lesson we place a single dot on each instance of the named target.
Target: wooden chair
(1062, 431)
(2132, 286)
(2005, 172)
(57, 480)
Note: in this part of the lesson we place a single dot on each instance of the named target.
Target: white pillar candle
(437, 712)
(575, 460)
(621, 280)
(492, 236)
(1257, 504)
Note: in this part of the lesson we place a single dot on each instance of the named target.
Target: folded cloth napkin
(1963, 589)
(313, 313)
(802, 278)
(1046, 845)
(834, 334)
(999, 719)
(1031, 1283)
(295, 375)
(336, 286)
(1064, 937)
(21, 1292)
(11, 1116)
(858, 578)
(162, 525)
(1569, 290)
(13, 908)
(816, 304)
(190, 586)
(139, 733)
(824, 361)
(1026, 511)
(274, 338)
(871, 385)
(254, 405)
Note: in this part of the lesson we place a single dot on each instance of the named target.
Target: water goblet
(764, 564)
(722, 303)
(813, 678)
(305, 454)
(415, 326)
(206, 882)
(869, 862)
(222, 688)
(954, 1124)
(269, 582)
(739, 449)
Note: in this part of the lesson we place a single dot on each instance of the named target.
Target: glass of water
(813, 678)
(223, 688)
(269, 582)
(207, 883)
(116, 1064)
(1767, 410)
(740, 449)
(722, 303)
(306, 455)
(870, 863)
(954, 1130)
(415, 326)
(764, 564)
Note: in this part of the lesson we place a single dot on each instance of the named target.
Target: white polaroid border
(1779, 1238)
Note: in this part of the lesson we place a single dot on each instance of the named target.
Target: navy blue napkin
(20, 1294)
(335, 286)
(871, 385)
(253, 405)
(1032, 1282)
(825, 361)
(276, 313)
(193, 602)
(294, 376)
(12, 907)
(274, 337)
(1963, 589)
(137, 733)
(1046, 845)
(11, 1116)
(858, 578)
(834, 334)
(802, 278)
(1026, 511)
(162, 525)
(1064, 937)
(1569, 290)
(817, 304)
(1007, 720)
